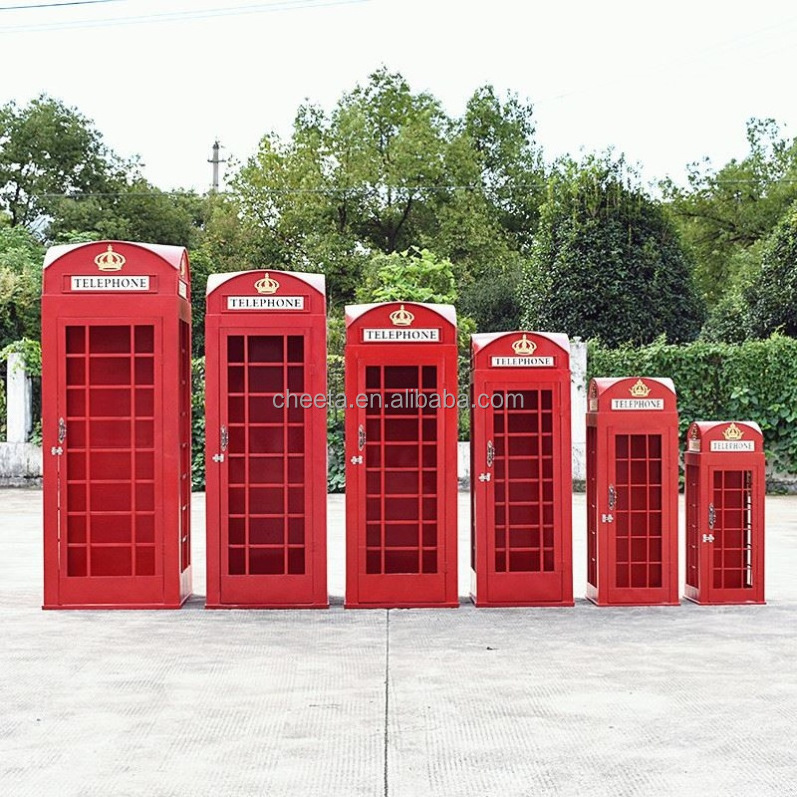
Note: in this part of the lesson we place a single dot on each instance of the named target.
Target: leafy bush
(198, 423)
(772, 296)
(606, 261)
(751, 381)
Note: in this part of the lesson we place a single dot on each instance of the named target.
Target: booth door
(110, 422)
(727, 537)
(523, 451)
(265, 494)
(638, 522)
(399, 483)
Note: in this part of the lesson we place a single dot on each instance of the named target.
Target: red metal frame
(116, 426)
(725, 490)
(521, 481)
(401, 458)
(632, 492)
(266, 449)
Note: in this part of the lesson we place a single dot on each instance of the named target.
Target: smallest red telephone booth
(521, 482)
(725, 487)
(632, 492)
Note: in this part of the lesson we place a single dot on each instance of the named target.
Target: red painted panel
(632, 492)
(521, 479)
(115, 355)
(401, 435)
(266, 440)
(725, 513)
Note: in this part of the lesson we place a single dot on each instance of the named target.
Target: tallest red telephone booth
(116, 410)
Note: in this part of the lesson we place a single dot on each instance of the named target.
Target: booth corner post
(724, 494)
(401, 455)
(266, 441)
(521, 472)
(116, 407)
(632, 492)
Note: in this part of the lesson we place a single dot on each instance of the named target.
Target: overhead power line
(59, 5)
(178, 16)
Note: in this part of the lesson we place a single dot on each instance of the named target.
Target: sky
(665, 84)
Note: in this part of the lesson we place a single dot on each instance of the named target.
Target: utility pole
(215, 160)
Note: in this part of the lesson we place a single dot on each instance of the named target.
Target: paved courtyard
(683, 700)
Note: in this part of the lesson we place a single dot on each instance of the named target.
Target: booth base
(699, 602)
(115, 606)
(222, 606)
(521, 604)
(630, 604)
(399, 605)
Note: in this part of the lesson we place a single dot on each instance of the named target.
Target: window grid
(266, 489)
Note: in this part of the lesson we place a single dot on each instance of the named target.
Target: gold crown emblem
(733, 432)
(639, 389)
(110, 260)
(694, 432)
(402, 317)
(524, 347)
(267, 285)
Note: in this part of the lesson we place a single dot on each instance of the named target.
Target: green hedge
(751, 381)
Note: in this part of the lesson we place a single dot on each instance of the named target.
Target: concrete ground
(684, 700)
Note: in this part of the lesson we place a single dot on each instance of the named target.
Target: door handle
(224, 440)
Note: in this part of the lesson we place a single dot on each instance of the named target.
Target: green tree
(384, 171)
(415, 275)
(130, 209)
(607, 262)
(47, 151)
(722, 213)
(21, 258)
(772, 295)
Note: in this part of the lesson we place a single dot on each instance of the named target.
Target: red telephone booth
(725, 488)
(632, 492)
(266, 443)
(116, 409)
(521, 483)
(401, 455)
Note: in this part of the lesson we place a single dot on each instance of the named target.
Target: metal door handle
(360, 438)
(61, 431)
(490, 453)
(612, 497)
(712, 516)
(225, 438)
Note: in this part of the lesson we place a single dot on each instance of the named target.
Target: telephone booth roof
(266, 289)
(109, 260)
(510, 346)
(629, 393)
(407, 316)
(730, 432)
